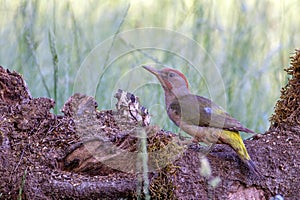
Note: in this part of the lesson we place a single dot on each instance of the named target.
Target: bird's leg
(196, 146)
(212, 145)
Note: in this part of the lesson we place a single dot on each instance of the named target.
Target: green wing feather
(201, 111)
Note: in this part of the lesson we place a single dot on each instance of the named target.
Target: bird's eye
(171, 74)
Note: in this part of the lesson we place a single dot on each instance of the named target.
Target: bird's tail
(252, 167)
(236, 142)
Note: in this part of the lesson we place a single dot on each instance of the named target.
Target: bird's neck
(174, 94)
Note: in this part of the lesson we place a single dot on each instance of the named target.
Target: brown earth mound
(91, 154)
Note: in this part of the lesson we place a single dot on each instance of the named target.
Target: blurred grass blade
(53, 51)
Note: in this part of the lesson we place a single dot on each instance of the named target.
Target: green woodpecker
(200, 117)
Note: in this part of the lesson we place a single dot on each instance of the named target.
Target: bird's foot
(201, 148)
(194, 146)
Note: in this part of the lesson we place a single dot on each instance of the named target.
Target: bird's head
(171, 80)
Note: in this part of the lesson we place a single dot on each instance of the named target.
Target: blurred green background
(250, 42)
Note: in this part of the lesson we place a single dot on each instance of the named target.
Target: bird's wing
(201, 111)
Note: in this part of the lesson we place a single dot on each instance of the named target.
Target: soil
(90, 154)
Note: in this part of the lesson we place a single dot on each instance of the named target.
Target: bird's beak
(156, 72)
(160, 75)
